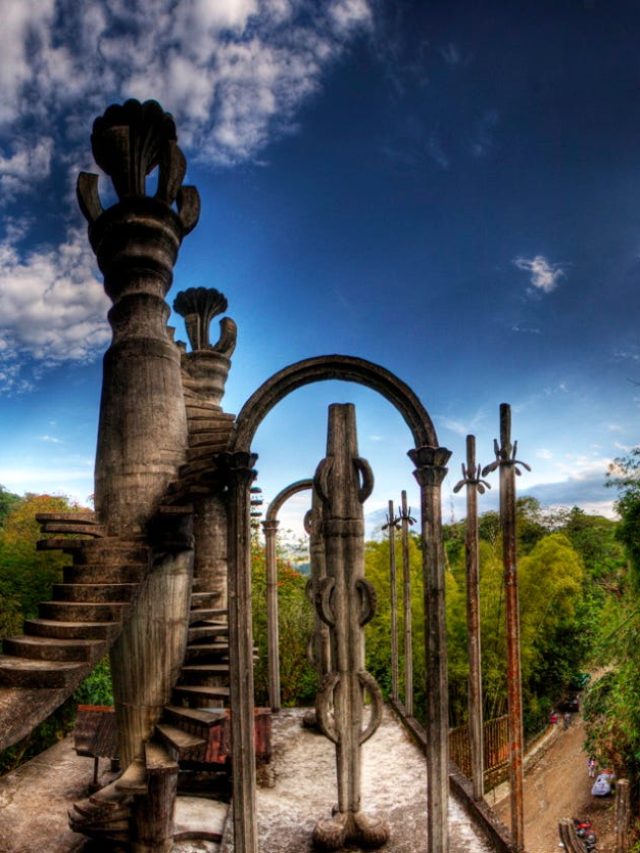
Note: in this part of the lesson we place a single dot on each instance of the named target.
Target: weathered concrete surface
(34, 799)
(393, 784)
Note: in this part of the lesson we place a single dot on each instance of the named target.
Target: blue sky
(451, 190)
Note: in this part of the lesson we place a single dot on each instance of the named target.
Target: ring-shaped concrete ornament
(324, 367)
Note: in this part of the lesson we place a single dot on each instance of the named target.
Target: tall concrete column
(204, 373)
(142, 432)
(430, 471)
(270, 528)
(142, 435)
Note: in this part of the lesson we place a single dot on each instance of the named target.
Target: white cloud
(28, 163)
(544, 276)
(233, 72)
(52, 304)
(544, 453)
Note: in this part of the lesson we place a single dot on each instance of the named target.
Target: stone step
(134, 778)
(71, 630)
(158, 759)
(205, 669)
(207, 631)
(206, 451)
(82, 516)
(194, 720)
(22, 672)
(51, 648)
(207, 614)
(110, 551)
(201, 407)
(204, 598)
(77, 528)
(59, 543)
(198, 469)
(184, 744)
(99, 573)
(193, 691)
(83, 611)
(219, 651)
(94, 592)
(199, 437)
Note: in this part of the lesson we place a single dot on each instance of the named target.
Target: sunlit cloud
(544, 275)
(233, 72)
(53, 307)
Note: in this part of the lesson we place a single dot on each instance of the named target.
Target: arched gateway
(430, 462)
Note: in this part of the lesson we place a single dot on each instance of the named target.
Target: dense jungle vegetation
(579, 587)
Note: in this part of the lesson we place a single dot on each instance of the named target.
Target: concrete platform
(297, 789)
(393, 785)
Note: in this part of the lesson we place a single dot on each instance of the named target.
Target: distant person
(591, 765)
(553, 718)
(567, 720)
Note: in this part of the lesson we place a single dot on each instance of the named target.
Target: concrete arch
(283, 496)
(343, 367)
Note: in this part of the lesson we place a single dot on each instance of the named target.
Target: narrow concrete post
(346, 602)
(391, 526)
(270, 528)
(508, 464)
(239, 474)
(406, 520)
(471, 479)
(430, 471)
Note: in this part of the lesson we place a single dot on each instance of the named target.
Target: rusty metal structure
(475, 485)
(509, 467)
(391, 526)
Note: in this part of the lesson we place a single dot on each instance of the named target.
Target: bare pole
(622, 816)
(471, 479)
(406, 520)
(391, 526)
(508, 464)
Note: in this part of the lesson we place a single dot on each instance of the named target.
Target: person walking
(591, 766)
(567, 720)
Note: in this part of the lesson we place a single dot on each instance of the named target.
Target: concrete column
(430, 471)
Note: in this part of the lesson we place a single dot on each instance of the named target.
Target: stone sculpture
(161, 573)
(346, 602)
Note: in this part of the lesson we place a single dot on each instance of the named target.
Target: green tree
(26, 574)
(8, 501)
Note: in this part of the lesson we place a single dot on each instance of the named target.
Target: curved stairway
(73, 630)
